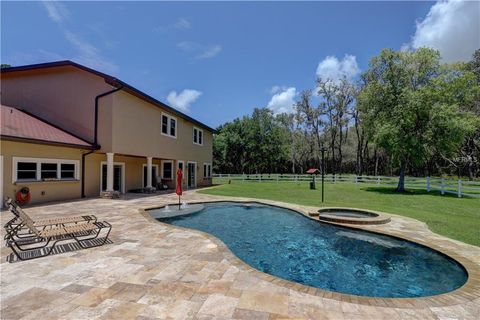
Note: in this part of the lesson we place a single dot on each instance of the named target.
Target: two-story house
(69, 131)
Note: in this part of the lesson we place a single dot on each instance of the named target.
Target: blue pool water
(288, 245)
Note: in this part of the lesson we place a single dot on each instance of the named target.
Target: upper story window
(39, 169)
(173, 127)
(169, 126)
(198, 136)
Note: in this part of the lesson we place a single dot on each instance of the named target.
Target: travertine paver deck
(156, 271)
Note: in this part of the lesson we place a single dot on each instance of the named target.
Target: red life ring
(23, 196)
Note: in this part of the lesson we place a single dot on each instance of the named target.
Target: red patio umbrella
(178, 191)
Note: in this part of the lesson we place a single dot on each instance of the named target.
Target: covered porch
(120, 174)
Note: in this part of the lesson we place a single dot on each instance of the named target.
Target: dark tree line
(407, 114)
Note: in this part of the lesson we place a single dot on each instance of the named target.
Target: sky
(217, 61)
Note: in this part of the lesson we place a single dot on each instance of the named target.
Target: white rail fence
(461, 188)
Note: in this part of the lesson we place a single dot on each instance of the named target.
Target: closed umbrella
(178, 191)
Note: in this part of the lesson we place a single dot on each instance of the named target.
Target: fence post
(260, 177)
(356, 179)
(277, 177)
(378, 181)
(442, 187)
(243, 177)
(335, 178)
(429, 186)
(459, 191)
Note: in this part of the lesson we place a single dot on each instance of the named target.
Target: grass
(456, 218)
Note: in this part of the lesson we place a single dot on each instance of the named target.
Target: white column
(149, 172)
(110, 171)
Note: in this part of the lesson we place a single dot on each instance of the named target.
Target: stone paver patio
(156, 271)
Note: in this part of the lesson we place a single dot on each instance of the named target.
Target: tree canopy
(409, 113)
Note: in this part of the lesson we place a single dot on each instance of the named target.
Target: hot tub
(352, 216)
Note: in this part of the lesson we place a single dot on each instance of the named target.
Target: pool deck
(156, 271)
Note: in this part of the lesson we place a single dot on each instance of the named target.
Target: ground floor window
(207, 170)
(67, 171)
(167, 170)
(26, 171)
(40, 169)
(49, 171)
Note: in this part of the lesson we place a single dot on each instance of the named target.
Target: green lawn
(446, 215)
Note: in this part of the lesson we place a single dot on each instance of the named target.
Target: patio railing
(461, 188)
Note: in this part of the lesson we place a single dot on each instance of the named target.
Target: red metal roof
(18, 124)
(313, 170)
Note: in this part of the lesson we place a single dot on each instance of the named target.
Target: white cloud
(333, 69)
(186, 45)
(184, 99)
(90, 55)
(276, 89)
(56, 10)
(451, 26)
(182, 23)
(210, 52)
(200, 51)
(282, 100)
(38, 56)
(87, 53)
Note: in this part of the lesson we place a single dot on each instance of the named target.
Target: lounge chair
(14, 225)
(39, 240)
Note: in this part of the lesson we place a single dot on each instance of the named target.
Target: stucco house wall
(137, 131)
(63, 96)
(41, 191)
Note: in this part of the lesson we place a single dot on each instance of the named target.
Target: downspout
(95, 134)
(83, 171)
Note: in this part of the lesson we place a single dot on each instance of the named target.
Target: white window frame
(39, 161)
(173, 170)
(169, 124)
(208, 164)
(143, 178)
(193, 136)
(123, 174)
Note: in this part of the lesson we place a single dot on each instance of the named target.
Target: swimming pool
(288, 245)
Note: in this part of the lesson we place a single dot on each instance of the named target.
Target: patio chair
(39, 240)
(14, 226)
